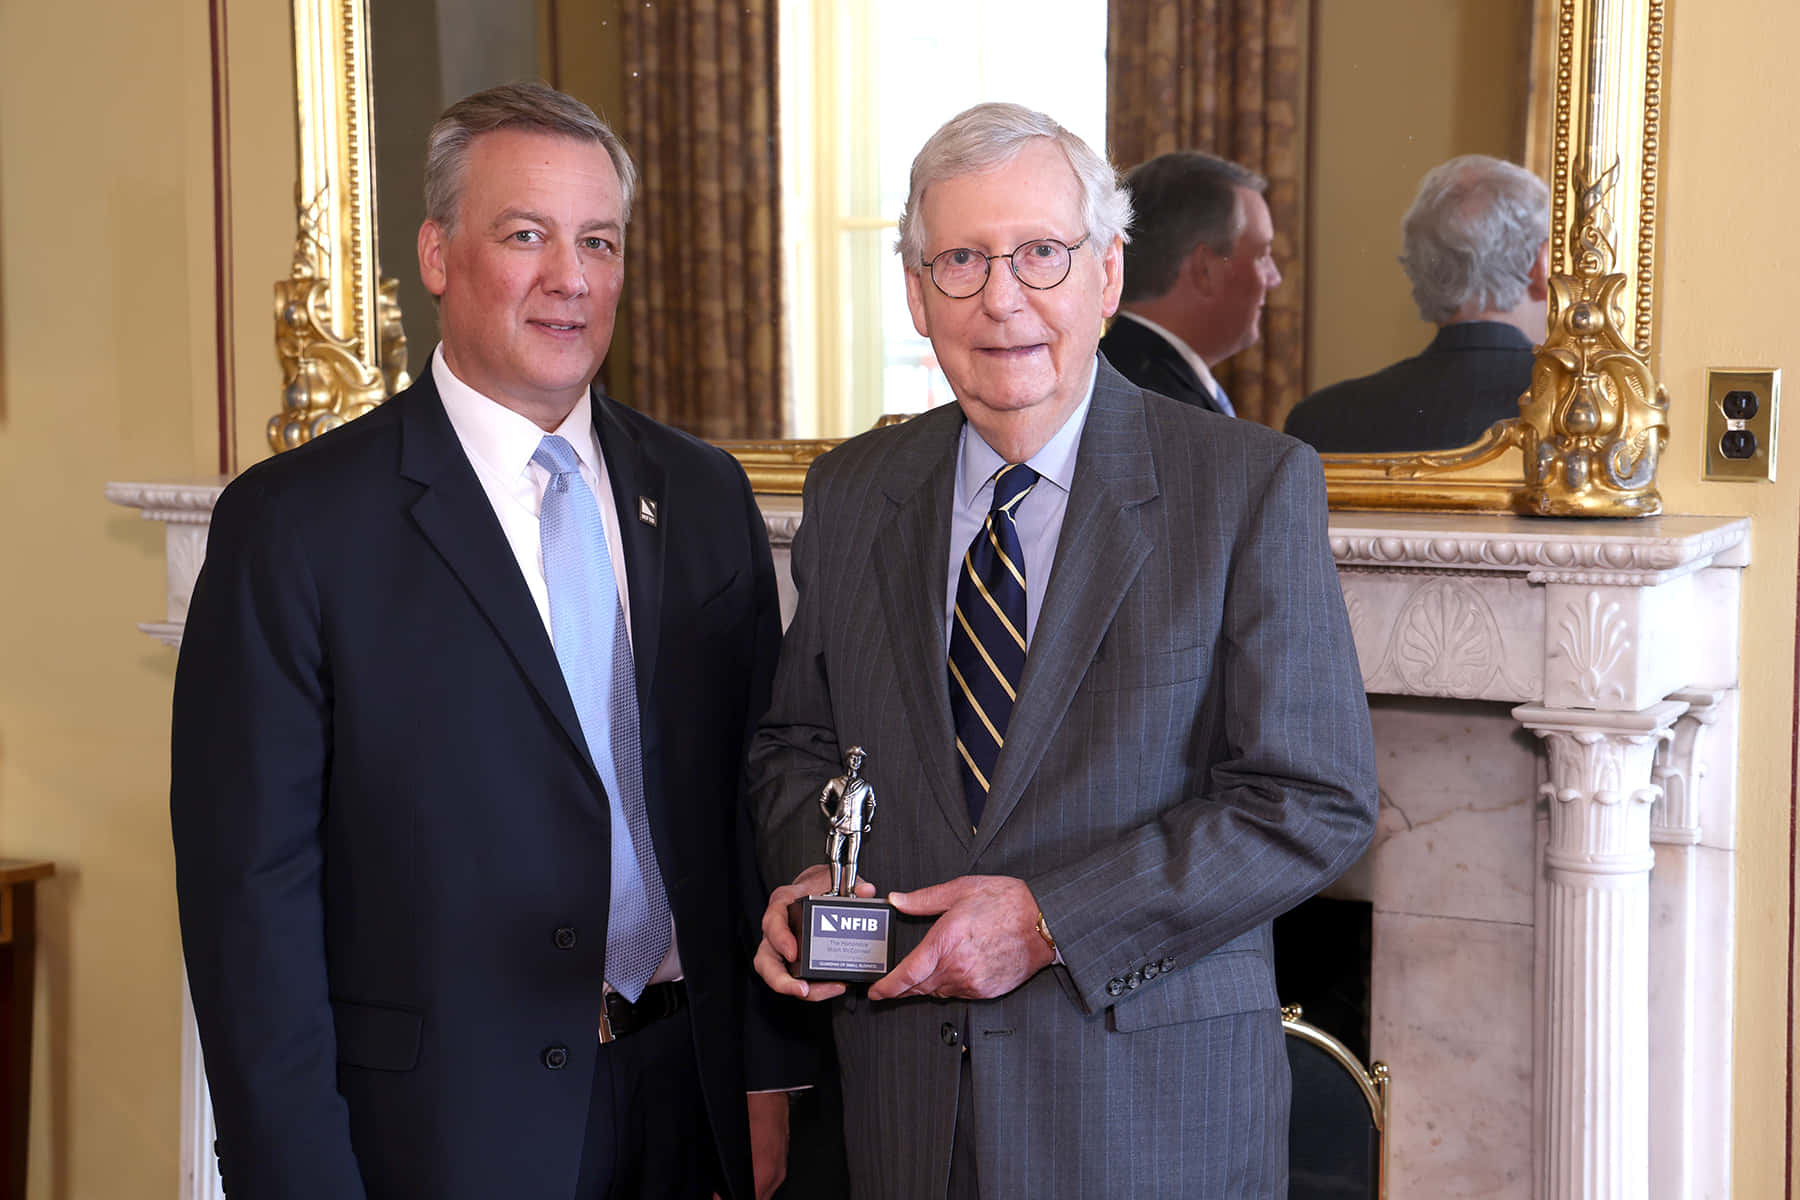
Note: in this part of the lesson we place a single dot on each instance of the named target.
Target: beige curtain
(704, 301)
(1227, 77)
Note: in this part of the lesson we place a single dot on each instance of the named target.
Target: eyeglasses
(1039, 265)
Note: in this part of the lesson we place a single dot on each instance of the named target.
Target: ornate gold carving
(337, 332)
(1595, 422)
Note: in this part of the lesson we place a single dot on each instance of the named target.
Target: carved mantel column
(1597, 864)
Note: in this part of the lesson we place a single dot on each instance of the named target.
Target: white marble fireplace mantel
(1552, 881)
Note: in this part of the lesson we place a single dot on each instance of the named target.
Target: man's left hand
(984, 944)
(768, 1140)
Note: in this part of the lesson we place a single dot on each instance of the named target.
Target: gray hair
(1181, 200)
(989, 136)
(529, 106)
(1472, 235)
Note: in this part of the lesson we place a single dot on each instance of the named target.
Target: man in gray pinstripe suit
(1085, 1005)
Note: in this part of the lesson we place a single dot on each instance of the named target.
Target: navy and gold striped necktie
(987, 636)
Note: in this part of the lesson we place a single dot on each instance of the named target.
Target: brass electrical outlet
(1741, 407)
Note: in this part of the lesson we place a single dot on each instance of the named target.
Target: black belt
(622, 1017)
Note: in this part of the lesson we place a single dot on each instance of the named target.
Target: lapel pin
(647, 511)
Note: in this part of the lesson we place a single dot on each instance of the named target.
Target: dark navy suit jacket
(391, 844)
(1469, 377)
(1145, 357)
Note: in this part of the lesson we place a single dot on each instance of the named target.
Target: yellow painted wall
(1731, 289)
(108, 371)
(1399, 86)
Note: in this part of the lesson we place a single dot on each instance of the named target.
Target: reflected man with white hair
(1477, 252)
(1092, 642)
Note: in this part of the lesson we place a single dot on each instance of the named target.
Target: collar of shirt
(1040, 518)
(1193, 360)
(499, 443)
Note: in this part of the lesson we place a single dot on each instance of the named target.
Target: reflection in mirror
(1395, 96)
(1477, 256)
(1391, 95)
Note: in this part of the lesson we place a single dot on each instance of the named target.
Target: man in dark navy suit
(465, 882)
(1477, 253)
(1198, 268)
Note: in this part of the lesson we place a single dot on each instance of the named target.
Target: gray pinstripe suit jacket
(1189, 756)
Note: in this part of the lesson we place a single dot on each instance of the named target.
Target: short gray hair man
(987, 136)
(1179, 201)
(527, 106)
(1472, 237)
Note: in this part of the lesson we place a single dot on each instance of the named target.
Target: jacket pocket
(1116, 672)
(1219, 985)
(376, 1036)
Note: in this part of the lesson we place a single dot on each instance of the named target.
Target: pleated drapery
(703, 258)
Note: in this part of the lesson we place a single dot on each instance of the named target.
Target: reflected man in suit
(1477, 241)
(1093, 643)
(466, 888)
(1198, 267)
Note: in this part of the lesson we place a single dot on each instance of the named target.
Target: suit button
(950, 1034)
(1115, 987)
(564, 938)
(1134, 980)
(1168, 964)
(1152, 970)
(556, 1057)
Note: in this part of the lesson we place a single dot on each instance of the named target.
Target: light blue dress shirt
(1039, 517)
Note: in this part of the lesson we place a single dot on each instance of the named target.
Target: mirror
(1590, 128)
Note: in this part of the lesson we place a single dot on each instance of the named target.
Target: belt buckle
(606, 1029)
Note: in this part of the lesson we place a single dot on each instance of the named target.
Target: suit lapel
(457, 518)
(1168, 371)
(638, 484)
(1099, 553)
(910, 548)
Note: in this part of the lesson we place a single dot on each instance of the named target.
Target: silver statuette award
(842, 936)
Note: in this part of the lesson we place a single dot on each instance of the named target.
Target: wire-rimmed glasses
(1039, 264)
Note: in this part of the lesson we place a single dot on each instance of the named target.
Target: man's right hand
(779, 947)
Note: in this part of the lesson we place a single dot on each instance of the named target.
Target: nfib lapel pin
(647, 511)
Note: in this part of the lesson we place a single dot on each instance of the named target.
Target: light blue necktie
(587, 624)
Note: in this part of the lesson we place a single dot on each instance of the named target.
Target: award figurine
(842, 936)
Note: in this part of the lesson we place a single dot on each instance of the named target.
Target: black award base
(845, 939)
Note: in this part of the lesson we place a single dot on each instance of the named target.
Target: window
(863, 84)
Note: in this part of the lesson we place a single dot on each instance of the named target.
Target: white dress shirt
(500, 443)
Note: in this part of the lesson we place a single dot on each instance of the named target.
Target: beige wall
(1398, 86)
(1731, 286)
(107, 371)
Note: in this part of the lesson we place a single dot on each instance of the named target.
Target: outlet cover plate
(1765, 384)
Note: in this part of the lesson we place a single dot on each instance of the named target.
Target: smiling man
(1198, 269)
(1091, 642)
(467, 893)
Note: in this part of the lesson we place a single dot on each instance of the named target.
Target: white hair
(1472, 236)
(989, 136)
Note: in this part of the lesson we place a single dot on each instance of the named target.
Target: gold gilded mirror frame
(337, 323)
(1591, 429)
